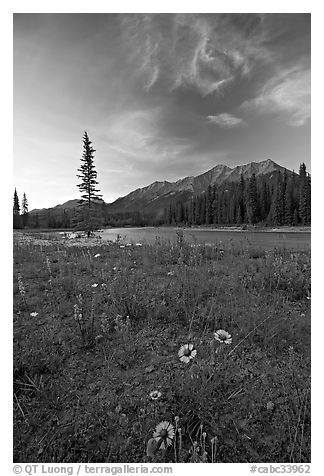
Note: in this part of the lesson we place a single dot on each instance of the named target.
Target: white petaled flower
(34, 314)
(122, 246)
(155, 395)
(94, 285)
(164, 431)
(97, 255)
(187, 352)
(223, 336)
(138, 244)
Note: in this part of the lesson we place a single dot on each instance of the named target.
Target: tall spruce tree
(277, 206)
(24, 206)
(242, 205)
(16, 211)
(16, 206)
(252, 200)
(308, 199)
(209, 205)
(302, 193)
(88, 219)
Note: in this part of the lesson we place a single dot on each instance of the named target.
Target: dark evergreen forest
(283, 199)
(276, 199)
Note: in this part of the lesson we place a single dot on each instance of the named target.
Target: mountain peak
(157, 195)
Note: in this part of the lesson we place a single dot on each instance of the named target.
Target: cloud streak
(287, 95)
(226, 121)
(138, 135)
(204, 52)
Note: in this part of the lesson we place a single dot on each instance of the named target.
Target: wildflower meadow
(164, 352)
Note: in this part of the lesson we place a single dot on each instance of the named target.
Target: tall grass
(107, 335)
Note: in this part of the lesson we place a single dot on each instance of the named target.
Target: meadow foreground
(112, 339)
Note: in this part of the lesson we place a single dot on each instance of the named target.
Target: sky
(162, 96)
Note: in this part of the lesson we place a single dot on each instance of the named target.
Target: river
(294, 240)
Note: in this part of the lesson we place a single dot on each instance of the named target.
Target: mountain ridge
(189, 185)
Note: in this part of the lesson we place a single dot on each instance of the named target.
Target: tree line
(283, 199)
(277, 199)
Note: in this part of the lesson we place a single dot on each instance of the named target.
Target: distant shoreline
(248, 229)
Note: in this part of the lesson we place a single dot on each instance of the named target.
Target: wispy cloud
(204, 52)
(287, 94)
(226, 121)
(138, 135)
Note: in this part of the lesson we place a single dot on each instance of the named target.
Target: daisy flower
(186, 353)
(34, 314)
(155, 395)
(94, 285)
(164, 431)
(223, 336)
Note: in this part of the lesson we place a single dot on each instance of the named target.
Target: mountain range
(158, 195)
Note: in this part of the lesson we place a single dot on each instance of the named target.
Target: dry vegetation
(97, 334)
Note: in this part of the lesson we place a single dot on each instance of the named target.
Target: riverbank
(282, 229)
(248, 228)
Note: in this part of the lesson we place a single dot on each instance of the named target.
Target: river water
(254, 239)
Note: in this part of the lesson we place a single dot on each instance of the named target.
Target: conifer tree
(202, 210)
(190, 212)
(215, 206)
(308, 199)
(265, 200)
(238, 215)
(16, 207)
(65, 219)
(209, 205)
(278, 219)
(87, 217)
(252, 200)
(24, 205)
(194, 210)
(290, 201)
(16, 211)
(302, 197)
(242, 198)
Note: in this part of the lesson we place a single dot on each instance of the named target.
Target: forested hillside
(277, 198)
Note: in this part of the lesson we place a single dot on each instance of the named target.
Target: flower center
(163, 434)
(187, 352)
